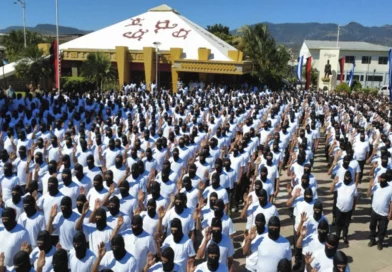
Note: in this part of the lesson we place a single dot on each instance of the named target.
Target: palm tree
(34, 66)
(14, 43)
(98, 69)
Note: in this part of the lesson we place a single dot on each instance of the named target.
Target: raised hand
(304, 231)
(97, 204)
(101, 250)
(85, 208)
(150, 259)
(2, 258)
(25, 247)
(208, 233)
(297, 192)
(53, 211)
(111, 188)
(252, 233)
(82, 190)
(304, 217)
(41, 259)
(140, 196)
(308, 258)
(120, 221)
(161, 212)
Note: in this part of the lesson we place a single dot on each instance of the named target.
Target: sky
(96, 14)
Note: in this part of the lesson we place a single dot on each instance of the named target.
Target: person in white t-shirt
(166, 264)
(16, 201)
(117, 259)
(273, 248)
(81, 258)
(44, 243)
(213, 263)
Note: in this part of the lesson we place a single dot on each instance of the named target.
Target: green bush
(357, 86)
(343, 88)
(76, 84)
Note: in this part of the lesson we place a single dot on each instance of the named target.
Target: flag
(390, 74)
(350, 82)
(5, 61)
(341, 64)
(299, 68)
(55, 62)
(308, 71)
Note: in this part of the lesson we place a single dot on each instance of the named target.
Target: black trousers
(362, 166)
(381, 222)
(342, 222)
(335, 197)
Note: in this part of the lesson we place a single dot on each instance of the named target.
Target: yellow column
(175, 54)
(204, 53)
(122, 64)
(149, 65)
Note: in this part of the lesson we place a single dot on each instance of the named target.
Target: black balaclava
(213, 262)
(317, 210)
(118, 161)
(308, 195)
(274, 234)
(53, 186)
(176, 154)
(187, 184)
(118, 247)
(307, 168)
(347, 178)
(124, 188)
(100, 219)
(78, 170)
(80, 245)
(258, 185)
(7, 169)
(168, 254)
(44, 236)
(66, 206)
(383, 180)
(90, 161)
(216, 234)
(10, 214)
(262, 196)
(177, 233)
(212, 202)
(323, 230)
(260, 223)
(263, 173)
(333, 241)
(219, 208)
(22, 152)
(60, 261)
(339, 259)
(52, 167)
(38, 158)
(155, 190)
(135, 171)
(215, 181)
(384, 161)
(80, 200)
(114, 206)
(66, 176)
(29, 206)
(16, 194)
(151, 208)
(22, 262)
(284, 266)
(98, 183)
(137, 225)
(305, 181)
(109, 177)
(66, 161)
(179, 204)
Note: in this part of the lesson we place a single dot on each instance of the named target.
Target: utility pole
(337, 40)
(23, 5)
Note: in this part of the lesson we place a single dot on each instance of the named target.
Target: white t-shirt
(270, 252)
(149, 224)
(227, 223)
(186, 218)
(360, 150)
(95, 236)
(192, 197)
(203, 268)
(346, 196)
(72, 191)
(322, 263)
(127, 264)
(20, 166)
(83, 265)
(46, 202)
(220, 191)
(7, 183)
(11, 241)
(251, 259)
(33, 225)
(182, 250)
(268, 210)
(139, 246)
(17, 207)
(382, 198)
(48, 259)
(65, 229)
(226, 248)
(158, 267)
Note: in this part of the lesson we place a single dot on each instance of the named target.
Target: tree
(14, 43)
(98, 69)
(314, 73)
(222, 32)
(343, 88)
(33, 66)
(270, 62)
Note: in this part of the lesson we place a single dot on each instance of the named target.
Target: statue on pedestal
(327, 70)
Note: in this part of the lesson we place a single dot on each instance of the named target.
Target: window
(374, 78)
(383, 60)
(366, 59)
(349, 59)
(338, 77)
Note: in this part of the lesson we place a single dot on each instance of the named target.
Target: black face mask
(308, 199)
(80, 251)
(29, 209)
(260, 227)
(22, 154)
(16, 198)
(317, 215)
(215, 184)
(101, 223)
(7, 171)
(114, 210)
(330, 252)
(362, 139)
(384, 163)
(179, 208)
(383, 183)
(38, 160)
(66, 211)
(67, 180)
(53, 189)
(263, 201)
(218, 213)
(137, 230)
(118, 252)
(217, 236)
(118, 163)
(177, 236)
(347, 181)
(346, 164)
(213, 263)
(151, 212)
(80, 207)
(273, 234)
(10, 224)
(192, 173)
(98, 186)
(322, 236)
(305, 184)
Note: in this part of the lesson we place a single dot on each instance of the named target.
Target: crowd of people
(124, 181)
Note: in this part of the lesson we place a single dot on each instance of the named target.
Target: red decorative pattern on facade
(135, 22)
(135, 35)
(182, 33)
(164, 25)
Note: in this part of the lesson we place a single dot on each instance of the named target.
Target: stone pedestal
(331, 54)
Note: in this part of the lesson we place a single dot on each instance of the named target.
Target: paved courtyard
(361, 257)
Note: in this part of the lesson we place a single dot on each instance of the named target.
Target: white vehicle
(384, 90)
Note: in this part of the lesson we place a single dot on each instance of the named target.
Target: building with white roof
(371, 61)
(184, 48)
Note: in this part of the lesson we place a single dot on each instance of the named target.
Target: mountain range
(290, 34)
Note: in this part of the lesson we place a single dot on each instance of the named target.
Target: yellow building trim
(204, 53)
(149, 65)
(122, 64)
(175, 55)
(235, 55)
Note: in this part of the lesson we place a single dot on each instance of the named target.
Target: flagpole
(58, 46)
(337, 41)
